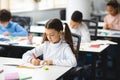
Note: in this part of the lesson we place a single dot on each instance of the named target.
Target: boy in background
(9, 28)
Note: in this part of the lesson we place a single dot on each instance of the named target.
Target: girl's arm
(28, 56)
(19, 31)
(69, 58)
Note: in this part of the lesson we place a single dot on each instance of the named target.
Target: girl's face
(112, 11)
(74, 25)
(53, 35)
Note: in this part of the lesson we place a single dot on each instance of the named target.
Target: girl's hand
(35, 62)
(47, 62)
(110, 26)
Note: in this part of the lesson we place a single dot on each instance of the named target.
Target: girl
(55, 51)
(112, 20)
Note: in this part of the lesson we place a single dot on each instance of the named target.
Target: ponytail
(68, 37)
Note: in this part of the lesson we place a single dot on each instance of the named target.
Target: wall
(40, 15)
(81, 5)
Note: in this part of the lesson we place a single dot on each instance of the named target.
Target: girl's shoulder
(64, 43)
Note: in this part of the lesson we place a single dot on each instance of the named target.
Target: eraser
(45, 68)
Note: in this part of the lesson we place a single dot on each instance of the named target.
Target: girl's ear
(61, 32)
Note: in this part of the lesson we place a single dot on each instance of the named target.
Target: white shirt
(60, 53)
(83, 31)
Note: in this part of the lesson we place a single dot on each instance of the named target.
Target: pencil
(34, 56)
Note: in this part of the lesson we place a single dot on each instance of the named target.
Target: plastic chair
(76, 42)
(63, 14)
(92, 26)
(79, 70)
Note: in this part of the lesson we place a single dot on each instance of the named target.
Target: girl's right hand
(35, 62)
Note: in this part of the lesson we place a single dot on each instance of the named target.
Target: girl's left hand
(47, 62)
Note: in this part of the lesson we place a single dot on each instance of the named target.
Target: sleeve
(117, 26)
(105, 22)
(27, 56)
(19, 31)
(85, 35)
(1, 31)
(116, 23)
(69, 59)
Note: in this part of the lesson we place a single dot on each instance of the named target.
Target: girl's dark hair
(5, 15)
(114, 4)
(58, 26)
(77, 16)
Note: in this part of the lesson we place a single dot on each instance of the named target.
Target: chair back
(63, 14)
(24, 21)
(92, 26)
(76, 42)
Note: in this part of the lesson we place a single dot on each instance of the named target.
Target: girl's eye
(52, 35)
(49, 35)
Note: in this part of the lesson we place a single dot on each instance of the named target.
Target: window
(29, 5)
(21, 5)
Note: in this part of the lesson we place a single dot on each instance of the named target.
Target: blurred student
(78, 27)
(112, 19)
(54, 49)
(112, 22)
(9, 28)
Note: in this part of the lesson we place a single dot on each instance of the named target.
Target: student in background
(54, 49)
(112, 20)
(9, 28)
(78, 27)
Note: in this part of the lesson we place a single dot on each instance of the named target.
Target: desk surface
(100, 24)
(37, 29)
(21, 41)
(96, 46)
(53, 73)
(83, 47)
(108, 33)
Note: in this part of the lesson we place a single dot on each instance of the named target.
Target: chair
(63, 14)
(79, 70)
(76, 42)
(92, 26)
(24, 21)
(76, 72)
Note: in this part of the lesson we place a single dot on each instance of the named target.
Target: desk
(86, 47)
(37, 29)
(16, 46)
(108, 33)
(53, 73)
(100, 25)
(103, 45)
(21, 41)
